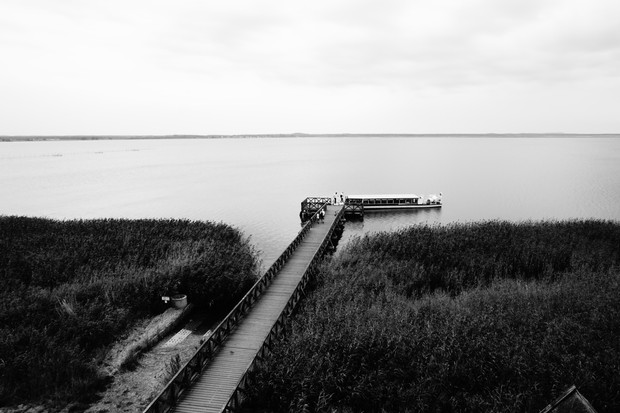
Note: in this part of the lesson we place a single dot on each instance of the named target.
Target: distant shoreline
(11, 138)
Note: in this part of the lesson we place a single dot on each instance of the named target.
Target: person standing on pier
(335, 198)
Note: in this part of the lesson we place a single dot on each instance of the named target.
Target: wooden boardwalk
(216, 389)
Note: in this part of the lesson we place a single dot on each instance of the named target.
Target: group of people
(339, 199)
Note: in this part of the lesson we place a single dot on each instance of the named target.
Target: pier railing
(311, 205)
(234, 403)
(316, 202)
(354, 209)
(192, 369)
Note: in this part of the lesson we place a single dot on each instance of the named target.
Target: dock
(215, 378)
(356, 205)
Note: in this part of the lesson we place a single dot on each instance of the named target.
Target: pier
(215, 378)
(356, 205)
(312, 204)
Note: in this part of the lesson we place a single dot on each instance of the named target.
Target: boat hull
(386, 207)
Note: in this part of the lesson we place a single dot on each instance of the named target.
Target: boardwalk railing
(190, 371)
(315, 202)
(311, 205)
(354, 208)
(236, 399)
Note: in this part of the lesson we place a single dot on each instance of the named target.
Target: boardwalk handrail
(318, 200)
(168, 397)
(236, 398)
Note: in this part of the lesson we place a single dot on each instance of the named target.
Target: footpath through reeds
(71, 288)
(481, 317)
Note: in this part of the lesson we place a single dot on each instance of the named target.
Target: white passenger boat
(394, 201)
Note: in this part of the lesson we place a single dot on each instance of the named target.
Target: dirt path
(134, 387)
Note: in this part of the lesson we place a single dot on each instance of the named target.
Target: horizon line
(285, 135)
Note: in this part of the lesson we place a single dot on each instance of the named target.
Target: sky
(161, 67)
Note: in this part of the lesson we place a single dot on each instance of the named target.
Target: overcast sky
(323, 66)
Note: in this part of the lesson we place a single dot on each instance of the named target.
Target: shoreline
(39, 138)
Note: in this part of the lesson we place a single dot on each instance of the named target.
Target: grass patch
(491, 316)
(70, 288)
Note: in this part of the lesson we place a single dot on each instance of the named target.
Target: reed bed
(71, 288)
(492, 316)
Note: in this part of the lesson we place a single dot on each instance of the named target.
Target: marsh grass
(70, 288)
(172, 367)
(491, 316)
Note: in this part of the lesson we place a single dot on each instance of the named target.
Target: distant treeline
(481, 317)
(303, 135)
(70, 288)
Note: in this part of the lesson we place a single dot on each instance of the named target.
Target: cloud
(395, 43)
(191, 56)
(403, 44)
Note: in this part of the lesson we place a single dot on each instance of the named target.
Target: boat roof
(384, 196)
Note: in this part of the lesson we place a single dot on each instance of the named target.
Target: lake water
(258, 184)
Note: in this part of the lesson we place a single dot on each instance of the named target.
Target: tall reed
(492, 316)
(70, 288)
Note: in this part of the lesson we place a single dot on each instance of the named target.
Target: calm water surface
(257, 184)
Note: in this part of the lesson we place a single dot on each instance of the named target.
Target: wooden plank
(219, 380)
